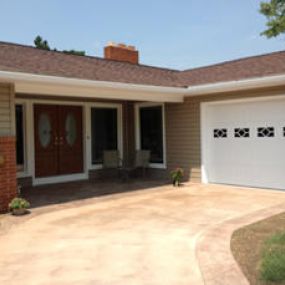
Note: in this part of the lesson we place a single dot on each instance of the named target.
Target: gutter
(244, 84)
(74, 87)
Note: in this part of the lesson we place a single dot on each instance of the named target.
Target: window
(151, 132)
(19, 112)
(104, 132)
(265, 132)
(242, 133)
(220, 133)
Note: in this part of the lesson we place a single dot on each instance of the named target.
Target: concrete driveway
(162, 236)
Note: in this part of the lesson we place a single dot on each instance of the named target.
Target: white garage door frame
(203, 124)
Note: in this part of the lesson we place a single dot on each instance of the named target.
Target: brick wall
(8, 184)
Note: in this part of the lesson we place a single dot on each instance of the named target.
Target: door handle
(58, 141)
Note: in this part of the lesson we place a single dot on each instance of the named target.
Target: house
(223, 123)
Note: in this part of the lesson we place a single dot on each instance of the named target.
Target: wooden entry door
(46, 134)
(70, 139)
(58, 140)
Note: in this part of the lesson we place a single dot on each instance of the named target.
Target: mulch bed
(247, 244)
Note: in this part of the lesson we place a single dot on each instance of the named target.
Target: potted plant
(176, 176)
(19, 206)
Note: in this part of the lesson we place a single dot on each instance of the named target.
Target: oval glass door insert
(70, 129)
(44, 130)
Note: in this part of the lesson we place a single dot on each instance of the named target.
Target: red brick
(121, 53)
(8, 184)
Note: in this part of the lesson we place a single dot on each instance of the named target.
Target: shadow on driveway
(74, 191)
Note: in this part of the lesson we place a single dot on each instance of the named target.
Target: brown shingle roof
(20, 58)
(250, 67)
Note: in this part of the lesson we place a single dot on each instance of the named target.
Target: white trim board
(73, 87)
(30, 83)
(119, 109)
(21, 172)
(236, 85)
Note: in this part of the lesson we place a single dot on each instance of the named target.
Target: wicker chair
(142, 159)
(111, 159)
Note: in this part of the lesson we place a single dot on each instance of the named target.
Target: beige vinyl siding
(7, 109)
(183, 129)
(183, 138)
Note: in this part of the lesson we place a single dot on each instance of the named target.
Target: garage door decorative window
(265, 132)
(220, 133)
(242, 133)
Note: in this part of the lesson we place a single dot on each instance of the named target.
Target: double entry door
(58, 140)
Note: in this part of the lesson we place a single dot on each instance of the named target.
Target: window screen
(103, 132)
(19, 135)
(151, 132)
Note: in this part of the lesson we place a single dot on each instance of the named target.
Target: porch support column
(128, 133)
(8, 169)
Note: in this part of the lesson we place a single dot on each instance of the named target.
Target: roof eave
(236, 85)
(62, 86)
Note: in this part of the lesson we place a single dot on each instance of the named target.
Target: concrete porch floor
(79, 191)
(160, 235)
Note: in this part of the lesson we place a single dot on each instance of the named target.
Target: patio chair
(111, 161)
(142, 159)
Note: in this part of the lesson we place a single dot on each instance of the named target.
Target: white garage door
(243, 143)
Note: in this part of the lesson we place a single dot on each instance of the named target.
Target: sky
(179, 34)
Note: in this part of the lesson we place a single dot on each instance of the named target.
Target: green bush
(19, 203)
(176, 176)
(272, 266)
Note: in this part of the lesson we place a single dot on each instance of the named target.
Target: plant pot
(19, 212)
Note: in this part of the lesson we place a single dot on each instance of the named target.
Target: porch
(64, 140)
(79, 191)
(62, 126)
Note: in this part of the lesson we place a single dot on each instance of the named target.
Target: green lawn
(272, 265)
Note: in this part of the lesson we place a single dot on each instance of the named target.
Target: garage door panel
(247, 112)
(258, 158)
(248, 152)
(242, 175)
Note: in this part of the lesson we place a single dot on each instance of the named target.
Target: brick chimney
(121, 52)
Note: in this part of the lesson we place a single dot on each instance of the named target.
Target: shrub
(19, 203)
(176, 176)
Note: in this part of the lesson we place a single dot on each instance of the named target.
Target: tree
(43, 44)
(274, 11)
(40, 43)
(75, 52)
